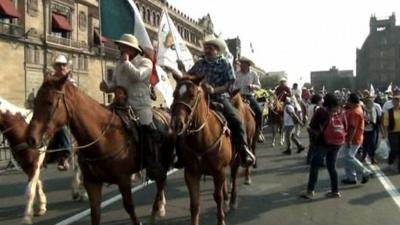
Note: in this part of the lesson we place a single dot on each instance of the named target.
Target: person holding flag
(132, 72)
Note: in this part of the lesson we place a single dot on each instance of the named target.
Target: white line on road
(106, 203)
(387, 184)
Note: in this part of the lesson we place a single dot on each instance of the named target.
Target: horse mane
(7, 108)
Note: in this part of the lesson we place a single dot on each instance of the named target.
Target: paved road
(271, 199)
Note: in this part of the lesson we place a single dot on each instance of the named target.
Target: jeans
(394, 141)
(291, 137)
(352, 166)
(317, 160)
(370, 143)
(235, 124)
(256, 109)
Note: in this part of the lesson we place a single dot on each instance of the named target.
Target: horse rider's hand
(181, 66)
(103, 86)
(124, 57)
(209, 88)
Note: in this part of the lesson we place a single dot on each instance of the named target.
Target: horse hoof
(76, 196)
(161, 212)
(247, 181)
(233, 206)
(40, 212)
(27, 220)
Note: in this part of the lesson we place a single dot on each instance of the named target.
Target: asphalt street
(272, 198)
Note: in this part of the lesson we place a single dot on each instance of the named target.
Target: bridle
(191, 109)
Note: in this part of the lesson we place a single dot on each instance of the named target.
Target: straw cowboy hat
(282, 80)
(246, 59)
(129, 40)
(61, 59)
(219, 43)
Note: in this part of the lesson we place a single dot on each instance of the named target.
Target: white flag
(389, 88)
(371, 91)
(164, 86)
(139, 28)
(171, 46)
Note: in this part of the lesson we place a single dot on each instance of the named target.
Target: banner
(122, 16)
(164, 86)
(171, 46)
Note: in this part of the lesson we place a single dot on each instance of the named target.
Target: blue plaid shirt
(217, 72)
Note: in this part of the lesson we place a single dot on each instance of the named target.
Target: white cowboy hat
(282, 80)
(129, 40)
(61, 59)
(246, 59)
(219, 43)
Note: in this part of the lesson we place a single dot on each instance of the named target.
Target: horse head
(50, 110)
(236, 98)
(187, 95)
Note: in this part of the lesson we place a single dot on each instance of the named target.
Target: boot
(248, 157)
(152, 155)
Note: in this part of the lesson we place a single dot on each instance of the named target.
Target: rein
(192, 110)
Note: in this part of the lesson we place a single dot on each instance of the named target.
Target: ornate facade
(378, 60)
(33, 32)
(333, 79)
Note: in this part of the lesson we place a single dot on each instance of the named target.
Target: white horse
(13, 123)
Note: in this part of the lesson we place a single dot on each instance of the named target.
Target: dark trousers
(256, 108)
(311, 146)
(290, 137)
(394, 141)
(317, 160)
(235, 124)
(370, 143)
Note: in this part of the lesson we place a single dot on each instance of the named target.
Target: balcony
(10, 29)
(66, 42)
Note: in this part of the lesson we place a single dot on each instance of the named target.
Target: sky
(295, 36)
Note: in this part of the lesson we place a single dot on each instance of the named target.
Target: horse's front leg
(42, 200)
(94, 191)
(219, 181)
(78, 190)
(159, 202)
(125, 189)
(193, 184)
(234, 174)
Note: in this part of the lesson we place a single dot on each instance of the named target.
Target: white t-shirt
(287, 119)
(388, 105)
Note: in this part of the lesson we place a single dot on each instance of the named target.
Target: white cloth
(296, 92)
(388, 105)
(287, 119)
(247, 82)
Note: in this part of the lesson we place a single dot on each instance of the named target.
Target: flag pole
(101, 50)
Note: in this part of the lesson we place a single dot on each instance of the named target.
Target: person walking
(327, 122)
(290, 119)
(354, 140)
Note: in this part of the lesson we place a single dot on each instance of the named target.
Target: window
(158, 19)
(60, 25)
(82, 21)
(144, 13)
(154, 19)
(148, 16)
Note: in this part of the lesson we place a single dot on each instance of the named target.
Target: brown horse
(204, 143)
(252, 131)
(275, 119)
(107, 154)
(13, 126)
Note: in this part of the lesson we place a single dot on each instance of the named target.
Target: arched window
(144, 13)
(148, 16)
(154, 19)
(158, 19)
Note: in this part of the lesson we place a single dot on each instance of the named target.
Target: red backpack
(336, 129)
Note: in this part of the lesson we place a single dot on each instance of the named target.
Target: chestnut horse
(252, 131)
(204, 143)
(107, 153)
(13, 125)
(275, 119)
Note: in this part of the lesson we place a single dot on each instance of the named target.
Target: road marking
(386, 183)
(106, 203)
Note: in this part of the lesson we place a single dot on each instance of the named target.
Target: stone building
(378, 60)
(333, 79)
(33, 32)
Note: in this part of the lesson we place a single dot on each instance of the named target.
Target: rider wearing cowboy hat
(283, 91)
(132, 73)
(219, 80)
(248, 82)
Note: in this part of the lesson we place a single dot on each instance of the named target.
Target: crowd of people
(351, 123)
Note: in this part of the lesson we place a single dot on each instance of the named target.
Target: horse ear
(176, 77)
(234, 92)
(62, 81)
(198, 80)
